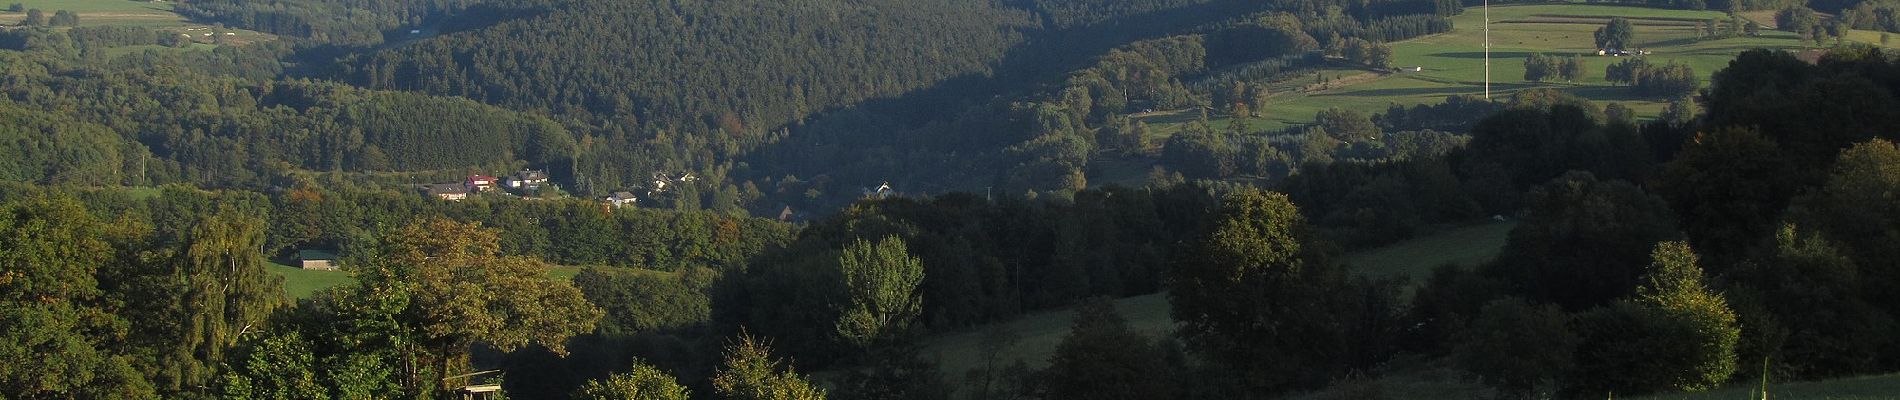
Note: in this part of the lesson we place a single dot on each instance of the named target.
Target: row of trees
(1539, 67)
(37, 18)
(1670, 80)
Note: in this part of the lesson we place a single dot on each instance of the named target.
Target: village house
(526, 180)
(446, 191)
(317, 260)
(479, 183)
(621, 199)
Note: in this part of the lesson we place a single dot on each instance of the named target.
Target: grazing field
(157, 15)
(1038, 333)
(1453, 62)
(300, 283)
(1414, 259)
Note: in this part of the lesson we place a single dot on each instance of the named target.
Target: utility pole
(1487, 49)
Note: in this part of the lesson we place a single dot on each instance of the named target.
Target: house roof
(531, 174)
(486, 178)
(445, 188)
(316, 255)
(622, 196)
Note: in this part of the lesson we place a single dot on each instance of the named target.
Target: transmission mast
(1487, 49)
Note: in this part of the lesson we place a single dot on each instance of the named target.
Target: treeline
(984, 261)
(1672, 80)
(348, 22)
(169, 121)
(568, 232)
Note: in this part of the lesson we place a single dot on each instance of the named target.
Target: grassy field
(301, 283)
(1453, 61)
(1414, 259)
(157, 15)
(1038, 333)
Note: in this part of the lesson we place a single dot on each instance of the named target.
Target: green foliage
(1673, 288)
(59, 342)
(1518, 348)
(1583, 242)
(1619, 34)
(64, 18)
(34, 17)
(643, 382)
(1101, 358)
(1675, 334)
(1730, 185)
(1538, 67)
(750, 373)
(1252, 297)
(648, 301)
(461, 292)
(1857, 208)
(1810, 309)
(881, 282)
(273, 365)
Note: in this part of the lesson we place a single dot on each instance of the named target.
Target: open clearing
(300, 283)
(1038, 333)
(139, 13)
(1453, 62)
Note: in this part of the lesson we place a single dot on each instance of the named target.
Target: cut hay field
(1038, 333)
(1453, 62)
(140, 13)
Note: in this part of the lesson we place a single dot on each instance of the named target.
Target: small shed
(317, 260)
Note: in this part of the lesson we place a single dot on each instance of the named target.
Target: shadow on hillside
(912, 141)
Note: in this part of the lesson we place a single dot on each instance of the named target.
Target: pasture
(1037, 334)
(138, 13)
(1453, 62)
(300, 283)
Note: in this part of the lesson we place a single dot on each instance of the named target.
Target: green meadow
(1453, 62)
(300, 283)
(1037, 334)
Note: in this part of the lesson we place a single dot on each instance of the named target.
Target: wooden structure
(317, 260)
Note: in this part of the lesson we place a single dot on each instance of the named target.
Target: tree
(1347, 125)
(1617, 113)
(1674, 288)
(462, 292)
(1517, 347)
(56, 343)
(1538, 67)
(1674, 334)
(1679, 112)
(1273, 312)
(275, 366)
(34, 17)
(64, 18)
(1102, 358)
(1258, 97)
(643, 382)
(1619, 34)
(16, 7)
(750, 373)
(1730, 186)
(881, 282)
(1571, 68)
(1582, 242)
(1858, 207)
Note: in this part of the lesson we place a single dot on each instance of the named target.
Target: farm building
(446, 191)
(317, 260)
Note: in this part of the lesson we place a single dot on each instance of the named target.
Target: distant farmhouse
(480, 183)
(621, 199)
(317, 260)
(446, 191)
(526, 180)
